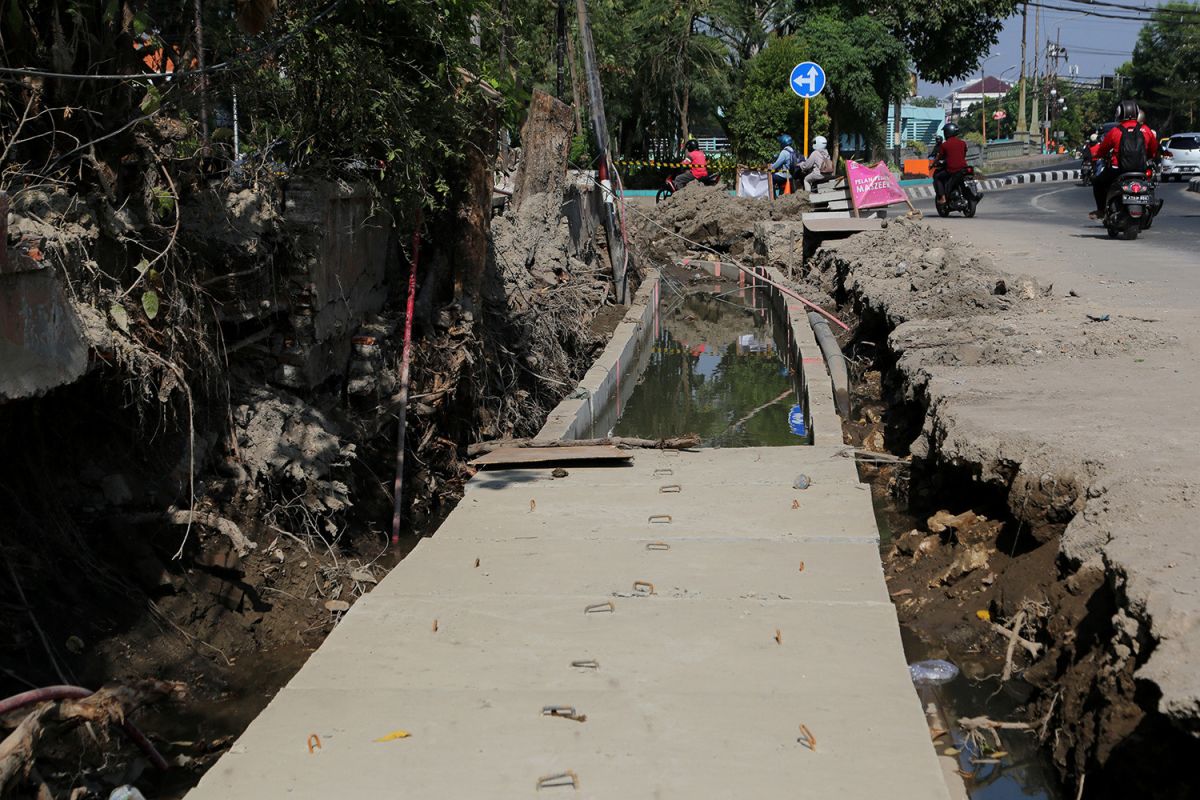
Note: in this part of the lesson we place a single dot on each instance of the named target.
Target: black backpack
(1131, 153)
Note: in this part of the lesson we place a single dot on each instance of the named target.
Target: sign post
(807, 80)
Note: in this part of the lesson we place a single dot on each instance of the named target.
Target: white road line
(1034, 202)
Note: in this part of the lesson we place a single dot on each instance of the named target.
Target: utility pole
(1035, 126)
(983, 107)
(616, 245)
(1022, 131)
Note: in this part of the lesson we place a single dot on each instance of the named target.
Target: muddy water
(716, 371)
(1023, 772)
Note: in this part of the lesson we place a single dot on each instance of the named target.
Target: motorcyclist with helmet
(818, 166)
(781, 167)
(951, 158)
(1110, 148)
(698, 165)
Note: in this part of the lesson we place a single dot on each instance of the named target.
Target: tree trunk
(683, 114)
(475, 215)
(574, 86)
(545, 144)
(835, 135)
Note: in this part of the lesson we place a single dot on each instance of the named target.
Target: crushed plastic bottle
(935, 671)
(126, 792)
(802, 482)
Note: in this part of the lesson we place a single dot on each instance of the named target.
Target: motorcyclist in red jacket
(952, 153)
(1109, 149)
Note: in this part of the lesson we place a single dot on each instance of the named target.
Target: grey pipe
(834, 360)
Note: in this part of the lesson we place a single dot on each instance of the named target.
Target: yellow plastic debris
(393, 736)
(984, 615)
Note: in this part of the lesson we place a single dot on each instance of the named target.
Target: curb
(994, 184)
(1194, 185)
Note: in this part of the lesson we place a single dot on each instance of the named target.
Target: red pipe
(398, 488)
(62, 692)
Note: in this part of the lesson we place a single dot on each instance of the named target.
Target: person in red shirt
(1110, 146)
(953, 155)
(695, 157)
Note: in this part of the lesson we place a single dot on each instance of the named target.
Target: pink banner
(871, 187)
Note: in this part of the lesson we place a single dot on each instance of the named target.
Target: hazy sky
(1095, 45)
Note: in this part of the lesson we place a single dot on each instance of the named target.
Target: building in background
(917, 124)
(964, 97)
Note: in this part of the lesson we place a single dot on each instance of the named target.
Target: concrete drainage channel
(594, 408)
(708, 623)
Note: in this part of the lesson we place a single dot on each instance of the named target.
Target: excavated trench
(971, 554)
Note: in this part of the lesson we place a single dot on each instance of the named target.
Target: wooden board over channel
(542, 455)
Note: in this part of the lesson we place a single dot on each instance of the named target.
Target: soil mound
(711, 217)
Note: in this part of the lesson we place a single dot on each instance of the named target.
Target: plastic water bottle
(126, 792)
(934, 671)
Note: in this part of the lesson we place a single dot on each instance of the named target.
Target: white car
(1184, 159)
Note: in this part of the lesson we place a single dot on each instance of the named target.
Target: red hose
(62, 692)
(688, 261)
(398, 489)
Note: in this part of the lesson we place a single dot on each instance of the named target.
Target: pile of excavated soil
(999, 390)
(944, 303)
(710, 217)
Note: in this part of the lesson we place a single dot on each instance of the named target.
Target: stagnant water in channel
(715, 370)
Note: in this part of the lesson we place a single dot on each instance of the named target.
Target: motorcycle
(964, 195)
(1131, 206)
(712, 179)
(1086, 168)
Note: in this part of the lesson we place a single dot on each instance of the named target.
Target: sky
(1097, 46)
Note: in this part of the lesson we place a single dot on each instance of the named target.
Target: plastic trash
(801, 482)
(126, 792)
(935, 671)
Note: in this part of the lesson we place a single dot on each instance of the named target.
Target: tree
(745, 26)
(864, 67)
(1165, 69)
(945, 40)
(766, 107)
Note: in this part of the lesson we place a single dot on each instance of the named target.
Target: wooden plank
(542, 455)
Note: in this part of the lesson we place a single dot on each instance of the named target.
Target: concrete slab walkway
(763, 615)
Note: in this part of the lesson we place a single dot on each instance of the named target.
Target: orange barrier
(917, 166)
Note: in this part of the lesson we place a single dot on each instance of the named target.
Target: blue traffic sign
(807, 80)
(796, 421)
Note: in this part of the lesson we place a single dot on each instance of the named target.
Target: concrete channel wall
(594, 406)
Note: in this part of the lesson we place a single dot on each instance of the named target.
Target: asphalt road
(1044, 231)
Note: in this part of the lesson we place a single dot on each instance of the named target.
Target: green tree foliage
(1165, 69)
(945, 40)
(865, 67)
(766, 107)
(925, 102)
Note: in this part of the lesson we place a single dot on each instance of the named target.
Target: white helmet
(820, 142)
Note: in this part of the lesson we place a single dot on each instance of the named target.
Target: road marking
(1034, 202)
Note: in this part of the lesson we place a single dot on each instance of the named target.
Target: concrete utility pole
(616, 245)
(1022, 131)
(1034, 125)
